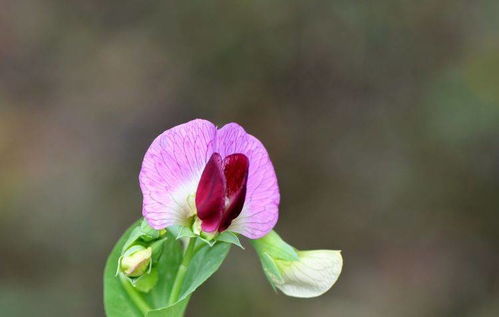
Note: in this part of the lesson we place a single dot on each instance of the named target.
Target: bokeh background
(381, 117)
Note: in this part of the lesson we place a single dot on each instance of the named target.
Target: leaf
(147, 281)
(167, 269)
(203, 265)
(157, 249)
(205, 262)
(172, 311)
(229, 237)
(116, 300)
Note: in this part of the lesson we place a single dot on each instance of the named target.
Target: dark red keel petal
(210, 194)
(235, 169)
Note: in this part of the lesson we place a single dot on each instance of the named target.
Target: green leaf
(206, 262)
(172, 311)
(116, 301)
(229, 237)
(146, 282)
(157, 249)
(167, 269)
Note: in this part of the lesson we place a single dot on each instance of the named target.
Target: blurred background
(381, 117)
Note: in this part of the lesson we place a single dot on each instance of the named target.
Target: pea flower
(221, 178)
(205, 184)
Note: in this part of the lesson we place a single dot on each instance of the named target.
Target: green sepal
(229, 237)
(134, 237)
(185, 232)
(271, 270)
(271, 248)
(273, 244)
(148, 233)
(210, 239)
(142, 233)
(157, 249)
(210, 243)
(146, 282)
(132, 249)
(173, 230)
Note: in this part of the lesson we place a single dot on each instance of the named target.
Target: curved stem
(179, 278)
(134, 295)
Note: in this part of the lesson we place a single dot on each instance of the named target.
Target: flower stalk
(182, 270)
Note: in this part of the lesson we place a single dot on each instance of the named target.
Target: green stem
(179, 278)
(134, 295)
(199, 247)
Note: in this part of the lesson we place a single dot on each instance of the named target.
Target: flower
(297, 273)
(221, 177)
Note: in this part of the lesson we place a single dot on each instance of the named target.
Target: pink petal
(210, 194)
(260, 211)
(171, 171)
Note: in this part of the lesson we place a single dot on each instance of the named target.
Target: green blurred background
(381, 117)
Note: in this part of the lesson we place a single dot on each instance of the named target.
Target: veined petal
(171, 171)
(260, 211)
(312, 275)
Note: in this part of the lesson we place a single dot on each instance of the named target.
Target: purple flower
(221, 177)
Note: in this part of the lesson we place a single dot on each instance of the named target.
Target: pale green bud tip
(136, 261)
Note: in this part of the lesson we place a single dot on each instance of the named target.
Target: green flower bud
(297, 273)
(136, 261)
